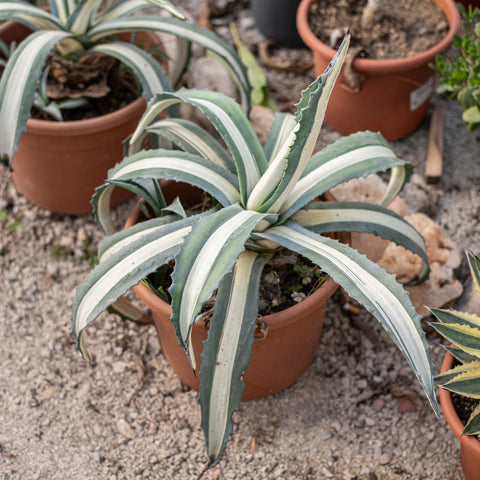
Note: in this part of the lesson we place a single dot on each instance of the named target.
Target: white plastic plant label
(421, 94)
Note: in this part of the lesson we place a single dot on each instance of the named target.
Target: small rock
(49, 392)
(125, 429)
(119, 367)
(384, 459)
(153, 346)
(378, 404)
(209, 73)
(405, 405)
(261, 119)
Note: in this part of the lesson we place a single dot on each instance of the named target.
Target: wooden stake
(433, 165)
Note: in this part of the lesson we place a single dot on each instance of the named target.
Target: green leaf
(461, 333)
(18, 85)
(372, 286)
(355, 156)
(473, 425)
(227, 351)
(460, 355)
(286, 168)
(474, 264)
(471, 115)
(206, 257)
(466, 383)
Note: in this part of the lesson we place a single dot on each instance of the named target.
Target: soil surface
(396, 29)
(358, 413)
(464, 406)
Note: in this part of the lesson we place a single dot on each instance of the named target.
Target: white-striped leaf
(192, 139)
(460, 355)
(286, 168)
(463, 379)
(148, 72)
(59, 9)
(29, 15)
(459, 329)
(229, 121)
(282, 126)
(206, 257)
(18, 84)
(126, 7)
(145, 250)
(227, 351)
(82, 17)
(322, 217)
(474, 264)
(180, 28)
(357, 155)
(170, 165)
(473, 425)
(443, 378)
(372, 286)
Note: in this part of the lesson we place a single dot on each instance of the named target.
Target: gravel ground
(129, 417)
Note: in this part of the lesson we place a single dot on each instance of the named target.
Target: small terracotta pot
(280, 357)
(58, 165)
(395, 94)
(469, 445)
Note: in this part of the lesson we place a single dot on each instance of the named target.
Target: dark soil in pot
(399, 29)
(464, 406)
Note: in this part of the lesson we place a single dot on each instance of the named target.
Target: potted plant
(460, 374)
(58, 164)
(263, 202)
(459, 77)
(276, 20)
(395, 92)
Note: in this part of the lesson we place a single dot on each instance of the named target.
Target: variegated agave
(264, 196)
(463, 330)
(77, 27)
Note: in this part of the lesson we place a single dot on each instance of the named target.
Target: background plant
(463, 329)
(264, 202)
(460, 70)
(76, 28)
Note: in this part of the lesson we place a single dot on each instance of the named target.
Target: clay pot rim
(274, 320)
(468, 441)
(365, 65)
(87, 126)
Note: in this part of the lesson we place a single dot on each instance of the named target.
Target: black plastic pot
(276, 20)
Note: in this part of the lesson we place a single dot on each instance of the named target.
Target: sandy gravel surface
(129, 417)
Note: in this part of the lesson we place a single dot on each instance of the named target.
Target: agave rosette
(78, 27)
(266, 202)
(463, 330)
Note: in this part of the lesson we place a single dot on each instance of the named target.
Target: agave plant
(79, 27)
(463, 330)
(265, 203)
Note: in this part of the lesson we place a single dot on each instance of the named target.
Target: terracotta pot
(469, 445)
(58, 164)
(280, 356)
(395, 95)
